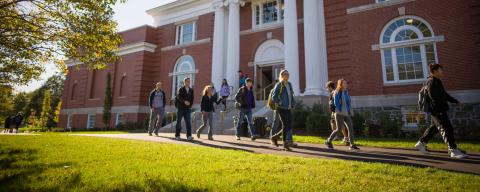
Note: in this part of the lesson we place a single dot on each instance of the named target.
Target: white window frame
(413, 110)
(179, 32)
(91, 121)
(392, 45)
(119, 119)
(260, 5)
(175, 74)
(69, 121)
(378, 1)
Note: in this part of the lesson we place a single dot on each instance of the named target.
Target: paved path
(411, 157)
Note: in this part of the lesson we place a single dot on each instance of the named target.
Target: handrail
(265, 92)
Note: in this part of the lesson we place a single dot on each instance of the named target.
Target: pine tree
(107, 104)
(46, 109)
(56, 116)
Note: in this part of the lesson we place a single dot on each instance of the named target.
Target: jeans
(183, 114)
(341, 121)
(241, 117)
(156, 118)
(275, 127)
(207, 118)
(286, 122)
(440, 123)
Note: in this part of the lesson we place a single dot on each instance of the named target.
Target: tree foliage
(107, 104)
(35, 32)
(46, 109)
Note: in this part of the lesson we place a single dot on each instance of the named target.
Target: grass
(392, 143)
(59, 162)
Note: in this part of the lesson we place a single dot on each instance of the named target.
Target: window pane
(270, 12)
(257, 15)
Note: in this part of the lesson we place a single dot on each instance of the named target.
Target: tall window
(185, 67)
(69, 121)
(91, 121)
(119, 119)
(122, 86)
(407, 47)
(186, 33)
(267, 12)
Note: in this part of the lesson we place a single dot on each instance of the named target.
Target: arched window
(185, 67)
(407, 46)
(122, 86)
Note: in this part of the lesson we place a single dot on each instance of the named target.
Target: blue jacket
(281, 98)
(338, 103)
(152, 95)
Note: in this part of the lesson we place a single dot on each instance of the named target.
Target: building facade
(382, 47)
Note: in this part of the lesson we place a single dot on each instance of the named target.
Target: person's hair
(205, 89)
(339, 85)
(224, 82)
(248, 80)
(280, 78)
(330, 84)
(434, 67)
(240, 71)
(185, 79)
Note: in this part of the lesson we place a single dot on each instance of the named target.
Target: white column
(323, 47)
(233, 47)
(291, 44)
(218, 44)
(315, 53)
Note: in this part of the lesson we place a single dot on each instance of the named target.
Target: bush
(390, 127)
(358, 123)
(299, 116)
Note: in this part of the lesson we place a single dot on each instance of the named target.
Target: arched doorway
(269, 60)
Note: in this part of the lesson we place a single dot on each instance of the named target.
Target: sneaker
(254, 137)
(237, 137)
(177, 138)
(156, 134)
(329, 145)
(190, 138)
(198, 135)
(421, 147)
(292, 144)
(286, 148)
(210, 138)
(354, 148)
(150, 134)
(274, 142)
(456, 153)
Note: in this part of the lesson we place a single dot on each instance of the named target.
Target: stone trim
(198, 42)
(375, 5)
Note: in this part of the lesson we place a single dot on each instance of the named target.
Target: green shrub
(299, 116)
(390, 126)
(318, 123)
(358, 123)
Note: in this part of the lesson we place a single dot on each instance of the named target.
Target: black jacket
(439, 97)
(184, 96)
(207, 104)
(242, 98)
(8, 122)
(152, 95)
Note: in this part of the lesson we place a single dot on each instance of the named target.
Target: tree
(56, 116)
(46, 109)
(34, 32)
(107, 103)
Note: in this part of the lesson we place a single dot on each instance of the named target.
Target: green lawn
(59, 162)
(392, 143)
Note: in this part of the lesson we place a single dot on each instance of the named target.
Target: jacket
(152, 96)
(207, 104)
(281, 98)
(338, 103)
(225, 91)
(184, 96)
(439, 97)
(242, 98)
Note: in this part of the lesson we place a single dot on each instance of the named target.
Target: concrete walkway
(411, 157)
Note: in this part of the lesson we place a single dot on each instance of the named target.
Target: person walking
(330, 87)
(343, 114)
(8, 122)
(156, 101)
(184, 102)
(245, 102)
(224, 93)
(283, 99)
(207, 109)
(18, 121)
(438, 108)
(241, 78)
(276, 124)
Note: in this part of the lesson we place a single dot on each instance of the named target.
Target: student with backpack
(282, 98)
(245, 102)
(343, 114)
(330, 87)
(157, 102)
(224, 93)
(184, 102)
(207, 109)
(434, 99)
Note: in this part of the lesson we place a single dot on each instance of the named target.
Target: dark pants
(440, 123)
(183, 114)
(276, 126)
(286, 123)
(245, 115)
(224, 101)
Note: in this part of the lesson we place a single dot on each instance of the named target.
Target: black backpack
(424, 100)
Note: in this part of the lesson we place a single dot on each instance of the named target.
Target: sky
(128, 15)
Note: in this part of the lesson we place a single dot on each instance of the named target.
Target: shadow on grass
(21, 171)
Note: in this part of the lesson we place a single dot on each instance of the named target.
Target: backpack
(238, 98)
(331, 103)
(424, 101)
(270, 102)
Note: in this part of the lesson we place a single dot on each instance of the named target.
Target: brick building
(382, 47)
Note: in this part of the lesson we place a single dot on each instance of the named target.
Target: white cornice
(179, 10)
(123, 50)
(375, 5)
(198, 42)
